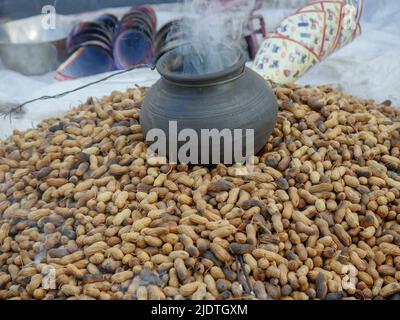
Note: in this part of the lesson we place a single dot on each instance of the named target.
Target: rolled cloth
(306, 37)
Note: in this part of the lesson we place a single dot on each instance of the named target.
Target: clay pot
(229, 96)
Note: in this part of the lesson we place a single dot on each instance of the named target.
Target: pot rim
(227, 74)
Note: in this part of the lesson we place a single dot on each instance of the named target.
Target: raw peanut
(221, 253)
(392, 183)
(56, 182)
(153, 241)
(4, 279)
(117, 170)
(171, 292)
(38, 214)
(390, 289)
(226, 208)
(301, 217)
(251, 234)
(70, 290)
(234, 213)
(170, 185)
(222, 232)
(155, 232)
(249, 259)
(322, 288)
(337, 267)
(377, 286)
(341, 233)
(341, 211)
(202, 244)
(155, 293)
(351, 181)
(197, 219)
(321, 188)
(233, 196)
(122, 276)
(351, 218)
(181, 254)
(211, 286)
(287, 210)
(366, 278)
(121, 216)
(357, 261)
(159, 259)
(96, 247)
(302, 228)
(184, 199)
(315, 177)
(259, 290)
(141, 293)
(115, 253)
(188, 289)
(104, 196)
(120, 200)
(4, 230)
(173, 280)
(73, 270)
(159, 181)
(320, 205)
(352, 195)
(271, 256)
(171, 238)
(294, 196)
(140, 224)
(181, 269)
(368, 232)
(200, 293)
(155, 214)
(97, 258)
(91, 291)
(35, 283)
(131, 237)
(188, 230)
(390, 249)
(214, 225)
(277, 222)
(84, 185)
(237, 290)
(71, 258)
(307, 196)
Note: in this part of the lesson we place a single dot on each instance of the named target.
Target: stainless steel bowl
(29, 48)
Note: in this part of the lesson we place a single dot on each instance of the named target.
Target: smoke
(148, 277)
(144, 279)
(212, 29)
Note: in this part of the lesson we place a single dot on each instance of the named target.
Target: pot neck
(206, 82)
(228, 74)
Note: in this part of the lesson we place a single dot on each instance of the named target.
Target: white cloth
(369, 67)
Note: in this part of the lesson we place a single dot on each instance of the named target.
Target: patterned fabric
(306, 37)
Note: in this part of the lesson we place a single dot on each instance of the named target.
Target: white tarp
(369, 67)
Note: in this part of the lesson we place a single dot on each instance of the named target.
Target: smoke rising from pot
(211, 29)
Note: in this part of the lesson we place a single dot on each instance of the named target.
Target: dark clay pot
(233, 98)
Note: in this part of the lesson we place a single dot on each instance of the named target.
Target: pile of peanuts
(85, 215)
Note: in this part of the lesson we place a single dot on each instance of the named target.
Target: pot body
(244, 101)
